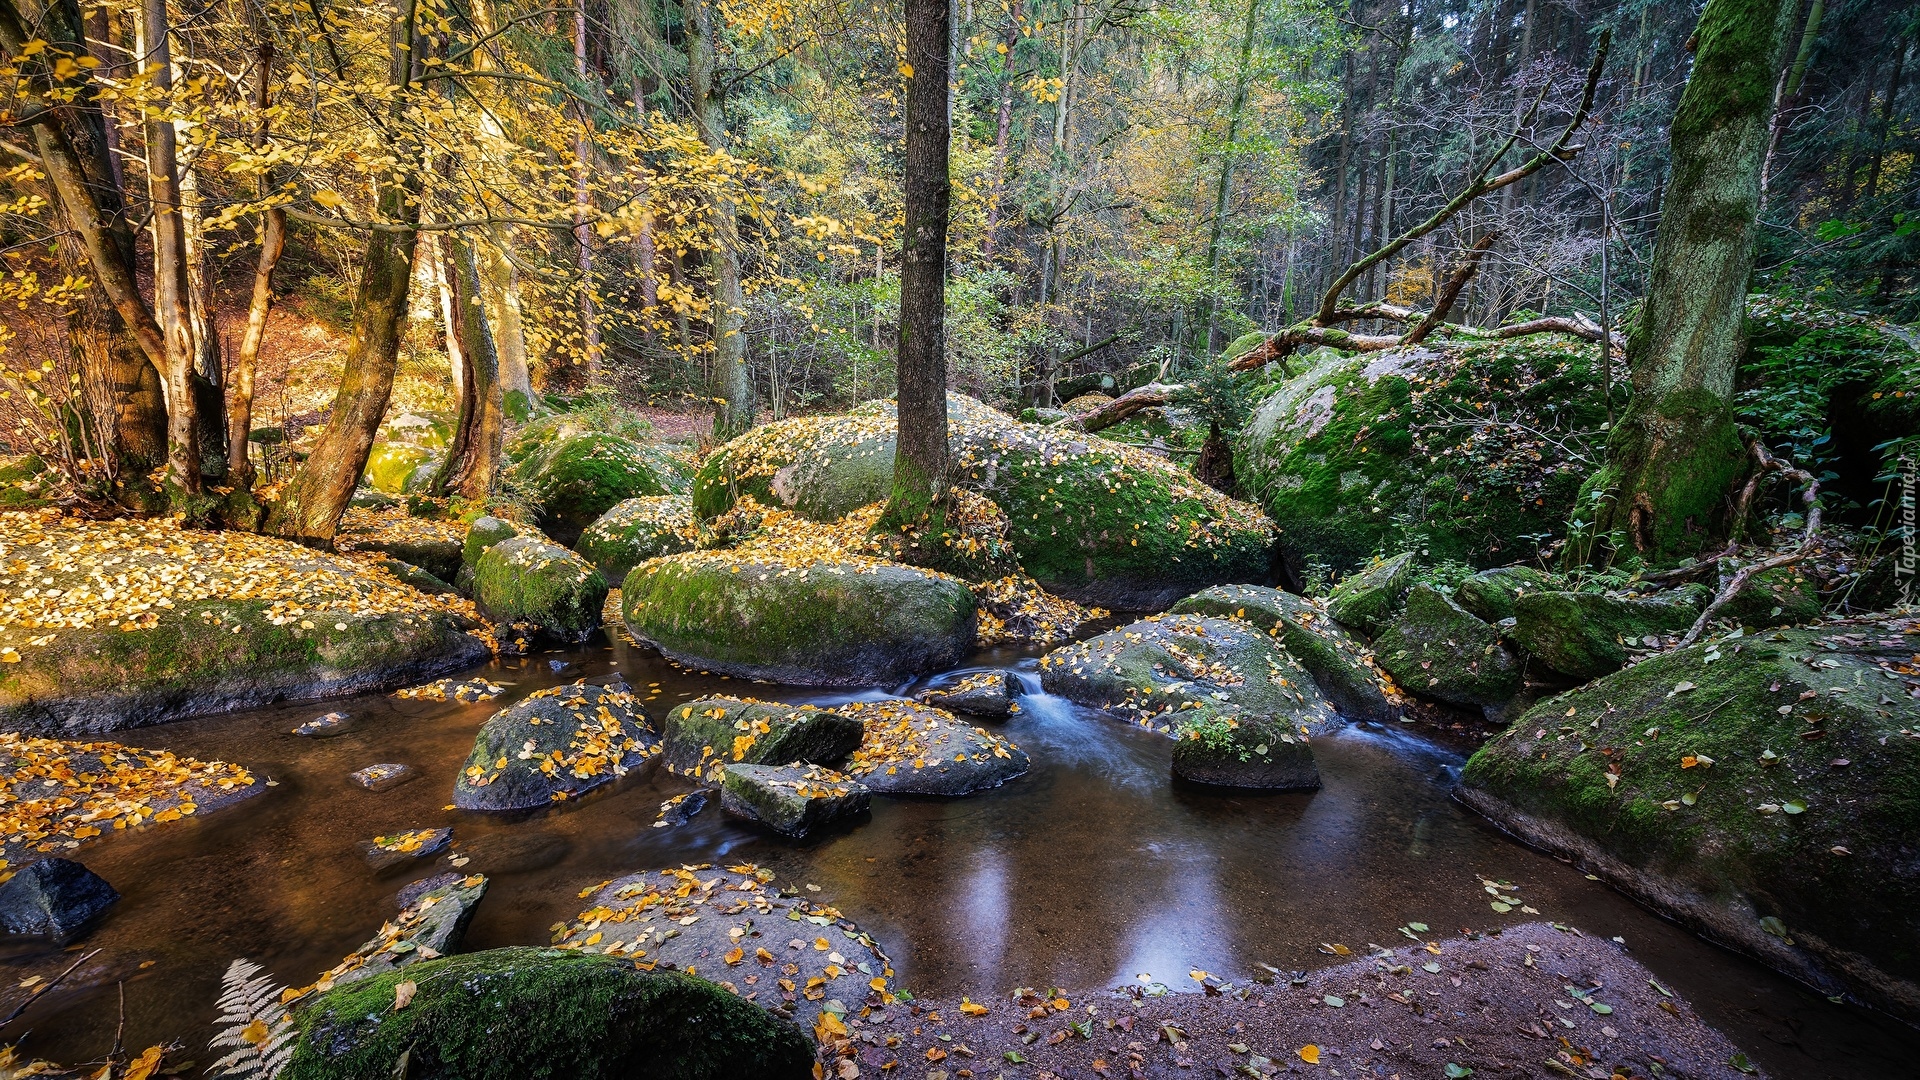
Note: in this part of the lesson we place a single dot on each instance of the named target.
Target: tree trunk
(1675, 455)
(582, 206)
(500, 290)
(170, 300)
(209, 365)
(1223, 190)
(1003, 125)
(732, 381)
(473, 460)
(920, 462)
(273, 240)
(1886, 121)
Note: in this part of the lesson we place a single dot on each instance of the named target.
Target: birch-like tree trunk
(273, 240)
(473, 459)
(170, 299)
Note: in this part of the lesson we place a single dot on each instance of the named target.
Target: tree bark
(473, 460)
(583, 204)
(1886, 121)
(273, 240)
(170, 290)
(1675, 453)
(500, 290)
(1003, 126)
(920, 461)
(1223, 189)
(732, 381)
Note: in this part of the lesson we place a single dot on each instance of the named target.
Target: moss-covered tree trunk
(1675, 456)
(920, 462)
(474, 458)
(732, 385)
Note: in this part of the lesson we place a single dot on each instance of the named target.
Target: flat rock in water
(396, 849)
(680, 809)
(412, 891)
(984, 694)
(431, 926)
(913, 749)
(555, 744)
(1223, 749)
(792, 800)
(384, 777)
(323, 727)
(55, 898)
(700, 738)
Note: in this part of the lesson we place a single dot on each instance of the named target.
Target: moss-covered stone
(1150, 670)
(1092, 520)
(985, 694)
(1438, 649)
(257, 620)
(702, 737)
(526, 579)
(1587, 635)
(637, 530)
(483, 533)
(792, 800)
(1368, 599)
(1380, 452)
(431, 545)
(543, 1014)
(390, 463)
(1337, 660)
(1490, 594)
(553, 745)
(911, 749)
(435, 921)
(1225, 748)
(1764, 790)
(831, 623)
(583, 476)
(1784, 596)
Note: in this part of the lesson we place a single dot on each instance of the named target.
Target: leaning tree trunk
(273, 240)
(920, 462)
(732, 379)
(474, 458)
(1675, 456)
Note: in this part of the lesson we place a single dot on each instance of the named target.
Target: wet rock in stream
(55, 898)
(323, 727)
(914, 749)
(983, 694)
(396, 849)
(555, 744)
(431, 926)
(700, 738)
(383, 777)
(790, 799)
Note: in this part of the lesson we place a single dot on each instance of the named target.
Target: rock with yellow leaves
(700, 738)
(1341, 664)
(637, 530)
(914, 749)
(527, 579)
(112, 624)
(792, 800)
(1151, 670)
(432, 925)
(555, 744)
(985, 694)
(794, 618)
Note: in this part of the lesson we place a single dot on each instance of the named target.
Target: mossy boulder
(583, 476)
(1368, 599)
(527, 579)
(156, 622)
(637, 530)
(1150, 670)
(1092, 520)
(1587, 635)
(1427, 448)
(543, 1014)
(553, 745)
(700, 738)
(433, 546)
(391, 463)
(843, 622)
(1223, 748)
(24, 479)
(792, 800)
(1490, 594)
(911, 749)
(1438, 649)
(1764, 790)
(1784, 596)
(1336, 659)
(418, 429)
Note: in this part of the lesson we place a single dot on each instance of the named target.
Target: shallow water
(1090, 871)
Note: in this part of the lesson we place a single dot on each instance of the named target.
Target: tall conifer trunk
(920, 462)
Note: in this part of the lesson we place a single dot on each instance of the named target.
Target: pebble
(323, 727)
(384, 777)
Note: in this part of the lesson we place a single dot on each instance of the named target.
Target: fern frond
(254, 1023)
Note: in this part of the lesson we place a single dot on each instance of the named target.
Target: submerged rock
(1491, 594)
(526, 579)
(700, 738)
(1228, 749)
(1438, 649)
(1093, 520)
(1586, 635)
(383, 777)
(323, 727)
(912, 749)
(383, 853)
(1150, 669)
(792, 800)
(838, 622)
(555, 744)
(1763, 796)
(1336, 659)
(984, 694)
(55, 898)
(637, 530)
(1366, 600)
(258, 620)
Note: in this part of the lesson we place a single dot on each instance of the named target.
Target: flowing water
(1090, 871)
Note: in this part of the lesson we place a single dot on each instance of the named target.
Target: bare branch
(1462, 274)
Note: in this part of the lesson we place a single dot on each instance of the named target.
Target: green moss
(701, 737)
(1587, 635)
(1491, 594)
(526, 579)
(527, 1014)
(1335, 658)
(1368, 599)
(391, 463)
(637, 530)
(1437, 649)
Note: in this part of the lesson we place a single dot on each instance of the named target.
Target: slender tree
(170, 290)
(920, 463)
(273, 240)
(732, 378)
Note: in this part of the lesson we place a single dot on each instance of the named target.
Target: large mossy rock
(1784, 596)
(1092, 520)
(1150, 670)
(700, 738)
(792, 800)
(637, 530)
(523, 1014)
(139, 622)
(527, 579)
(1491, 594)
(390, 463)
(582, 477)
(1764, 790)
(432, 544)
(1336, 659)
(1364, 453)
(846, 622)
(1587, 635)
(1368, 599)
(911, 749)
(1438, 649)
(1222, 748)
(555, 744)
